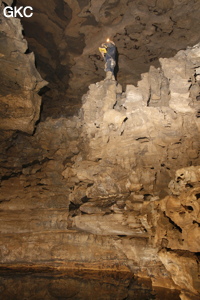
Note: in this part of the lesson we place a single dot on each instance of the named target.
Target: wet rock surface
(79, 285)
(96, 191)
(117, 186)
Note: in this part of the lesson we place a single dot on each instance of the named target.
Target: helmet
(109, 41)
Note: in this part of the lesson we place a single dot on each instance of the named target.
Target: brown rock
(183, 268)
(20, 81)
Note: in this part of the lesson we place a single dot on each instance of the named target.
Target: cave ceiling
(65, 36)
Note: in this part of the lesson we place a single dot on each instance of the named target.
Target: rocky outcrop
(135, 141)
(174, 226)
(20, 82)
(95, 191)
(65, 37)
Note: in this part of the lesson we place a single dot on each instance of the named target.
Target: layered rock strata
(95, 191)
(19, 80)
(79, 285)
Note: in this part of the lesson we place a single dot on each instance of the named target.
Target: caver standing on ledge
(108, 51)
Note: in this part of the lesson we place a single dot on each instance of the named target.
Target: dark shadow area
(79, 285)
(117, 66)
(43, 90)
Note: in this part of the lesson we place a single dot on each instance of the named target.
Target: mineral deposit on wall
(116, 187)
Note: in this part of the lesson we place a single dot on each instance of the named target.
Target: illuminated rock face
(96, 190)
(20, 81)
(65, 36)
(135, 141)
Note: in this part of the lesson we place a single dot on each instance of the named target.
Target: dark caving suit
(108, 51)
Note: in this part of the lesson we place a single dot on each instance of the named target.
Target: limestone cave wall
(20, 81)
(116, 186)
(65, 36)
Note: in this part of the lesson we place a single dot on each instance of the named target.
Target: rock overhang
(68, 56)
